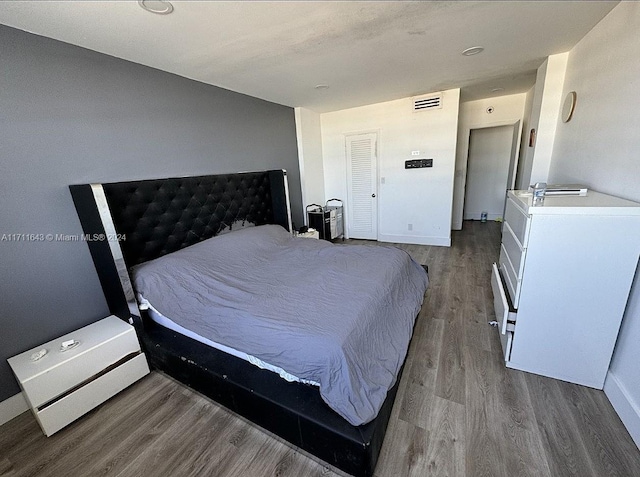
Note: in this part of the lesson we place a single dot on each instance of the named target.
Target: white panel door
(362, 180)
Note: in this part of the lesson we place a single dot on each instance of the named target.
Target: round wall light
(474, 50)
(156, 6)
(569, 106)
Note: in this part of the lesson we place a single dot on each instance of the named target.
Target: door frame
(347, 205)
(460, 179)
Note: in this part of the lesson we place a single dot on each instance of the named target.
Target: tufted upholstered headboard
(142, 220)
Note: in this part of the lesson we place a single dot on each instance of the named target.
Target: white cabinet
(61, 383)
(562, 282)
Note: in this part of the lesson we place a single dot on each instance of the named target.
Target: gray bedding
(339, 315)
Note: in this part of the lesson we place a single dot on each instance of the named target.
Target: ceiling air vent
(424, 103)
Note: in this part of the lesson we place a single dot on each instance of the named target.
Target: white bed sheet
(162, 320)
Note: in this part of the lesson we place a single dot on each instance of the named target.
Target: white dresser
(562, 282)
(67, 377)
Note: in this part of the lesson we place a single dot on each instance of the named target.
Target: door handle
(373, 195)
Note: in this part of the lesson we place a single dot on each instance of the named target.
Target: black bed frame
(156, 217)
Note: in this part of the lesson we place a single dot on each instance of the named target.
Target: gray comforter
(339, 315)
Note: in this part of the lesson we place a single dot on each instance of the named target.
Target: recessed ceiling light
(321, 86)
(156, 6)
(474, 50)
(495, 90)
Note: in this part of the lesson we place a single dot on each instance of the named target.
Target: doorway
(490, 160)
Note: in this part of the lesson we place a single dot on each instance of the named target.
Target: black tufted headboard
(146, 219)
(161, 216)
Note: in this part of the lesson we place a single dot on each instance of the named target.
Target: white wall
(548, 114)
(309, 139)
(524, 142)
(526, 161)
(422, 197)
(473, 115)
(547, 98)
(599, 147)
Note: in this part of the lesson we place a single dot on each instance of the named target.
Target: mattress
(162, 320)
(339, 315)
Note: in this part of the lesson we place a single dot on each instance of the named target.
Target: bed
(165, 232)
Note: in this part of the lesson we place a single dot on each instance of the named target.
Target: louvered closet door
(362, 180)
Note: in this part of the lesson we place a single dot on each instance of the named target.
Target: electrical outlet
(410, 226)
(415, 153)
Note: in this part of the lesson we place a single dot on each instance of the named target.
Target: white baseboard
(625, 406)
(416, 239)
(12, 407)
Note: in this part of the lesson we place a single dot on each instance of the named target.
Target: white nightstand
(99, 361)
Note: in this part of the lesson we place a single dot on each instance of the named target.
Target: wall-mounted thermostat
(418, 163)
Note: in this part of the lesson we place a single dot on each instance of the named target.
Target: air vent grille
(424, 103)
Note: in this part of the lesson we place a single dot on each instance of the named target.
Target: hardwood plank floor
(459, 411)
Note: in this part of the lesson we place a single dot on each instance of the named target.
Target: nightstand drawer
(101, 344)
(70, 407)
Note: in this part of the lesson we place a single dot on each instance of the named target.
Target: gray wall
(71, 116)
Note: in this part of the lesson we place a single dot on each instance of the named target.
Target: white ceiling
(367, 52)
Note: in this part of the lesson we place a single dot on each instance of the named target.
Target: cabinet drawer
(69, 408)
(518, 221)
(510, 277)
(505, 316)
(506, 341)
(514, 250)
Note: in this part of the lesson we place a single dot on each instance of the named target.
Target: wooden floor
(459, 411)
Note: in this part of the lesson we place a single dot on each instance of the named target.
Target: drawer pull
(38, 354)
(67, 345)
